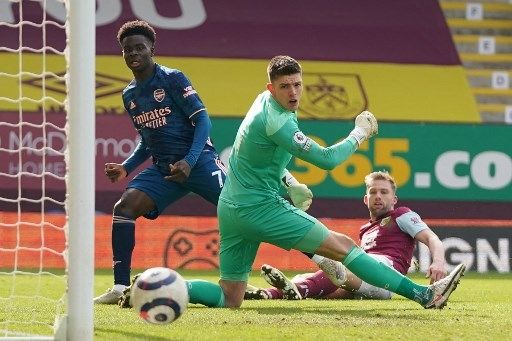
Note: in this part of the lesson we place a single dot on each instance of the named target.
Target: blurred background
(434, 73)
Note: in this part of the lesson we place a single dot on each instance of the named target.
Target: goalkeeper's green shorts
(277, 222)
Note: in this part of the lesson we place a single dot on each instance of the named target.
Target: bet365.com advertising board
(431, 162)
(462, 162)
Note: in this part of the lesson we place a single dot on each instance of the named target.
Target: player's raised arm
(365, 127)
(299, 145)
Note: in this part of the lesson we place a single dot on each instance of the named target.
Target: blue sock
(123, 242)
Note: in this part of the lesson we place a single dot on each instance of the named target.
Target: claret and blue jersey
(163, 109)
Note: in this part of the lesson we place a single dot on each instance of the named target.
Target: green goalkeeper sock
(205, 293)
(382, 276)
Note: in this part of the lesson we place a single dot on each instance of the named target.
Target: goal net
(45, 142)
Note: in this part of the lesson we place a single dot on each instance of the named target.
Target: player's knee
(232, 299)
(123, 208)
(233, 293)
(335, 246)
(230, 303)
(345, 242)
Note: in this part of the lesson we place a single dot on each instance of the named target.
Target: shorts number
(218, 173)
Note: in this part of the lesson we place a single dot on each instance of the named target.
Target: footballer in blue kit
(173, 125)
(174, 129)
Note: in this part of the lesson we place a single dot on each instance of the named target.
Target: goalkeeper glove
(300, 194)
(366, 127)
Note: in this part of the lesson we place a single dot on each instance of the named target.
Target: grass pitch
(480, 309)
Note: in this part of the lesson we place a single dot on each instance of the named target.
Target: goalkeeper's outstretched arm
(299, 145)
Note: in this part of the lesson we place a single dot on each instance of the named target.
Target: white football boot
(443, 288)
(111, 296)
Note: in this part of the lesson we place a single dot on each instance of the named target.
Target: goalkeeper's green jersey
(266, 140)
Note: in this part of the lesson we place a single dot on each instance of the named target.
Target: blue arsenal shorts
(206, 179)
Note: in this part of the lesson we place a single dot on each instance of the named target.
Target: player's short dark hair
(136, 27)
(282, 66)
(380, 175)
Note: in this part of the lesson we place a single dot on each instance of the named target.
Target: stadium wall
(193, 243)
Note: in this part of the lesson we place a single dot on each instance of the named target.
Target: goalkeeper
(250, 210)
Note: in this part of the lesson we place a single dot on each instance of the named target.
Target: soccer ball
(159, 295)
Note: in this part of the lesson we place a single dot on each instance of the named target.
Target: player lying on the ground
(389, 237)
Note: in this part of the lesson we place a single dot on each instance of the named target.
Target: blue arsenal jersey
(162, 109)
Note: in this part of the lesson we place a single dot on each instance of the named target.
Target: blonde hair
(380, 175)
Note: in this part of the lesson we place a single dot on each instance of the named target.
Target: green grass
(480, 309)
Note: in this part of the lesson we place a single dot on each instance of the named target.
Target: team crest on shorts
(159, 95)
(302, 140)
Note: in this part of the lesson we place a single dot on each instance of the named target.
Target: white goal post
(81, 176)
(31, 285)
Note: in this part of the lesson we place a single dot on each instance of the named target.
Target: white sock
(372, 292)
(317, 259)
(119, 287)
